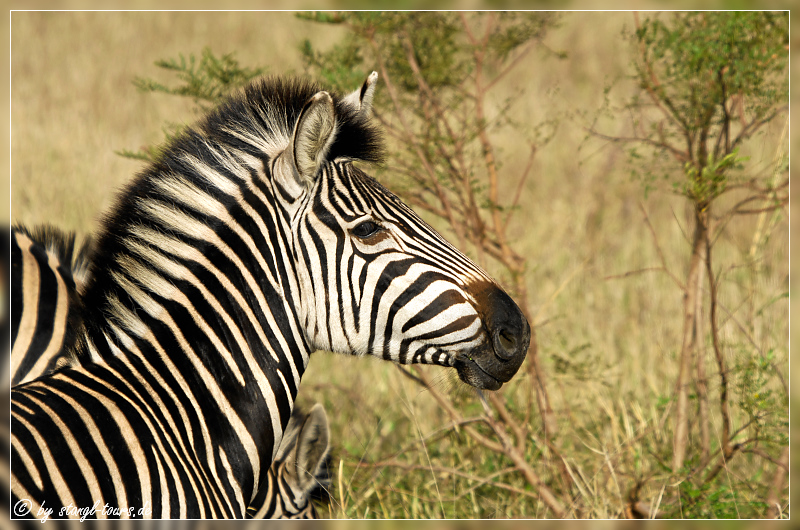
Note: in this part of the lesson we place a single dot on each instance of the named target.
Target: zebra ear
(313, 135)
(361, 99)
(313, 445)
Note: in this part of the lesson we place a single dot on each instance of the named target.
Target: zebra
(301, 469)
(254, 240)
(48, 272)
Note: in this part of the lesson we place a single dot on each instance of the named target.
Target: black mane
(60, 244)
(357, 138)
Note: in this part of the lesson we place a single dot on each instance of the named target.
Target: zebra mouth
(472, 373)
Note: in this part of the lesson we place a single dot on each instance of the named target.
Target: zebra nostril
(505, 344)
(507, 329)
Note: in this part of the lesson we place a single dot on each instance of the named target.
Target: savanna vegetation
(624, 176)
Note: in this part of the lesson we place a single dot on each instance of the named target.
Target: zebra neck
(201, 259)
(195, 283)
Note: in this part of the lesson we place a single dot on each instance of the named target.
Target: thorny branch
(519, 460)
(445, 182)
(514, 450)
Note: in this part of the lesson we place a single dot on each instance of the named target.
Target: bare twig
(479, 481)
(518, 192)
(781, 462)
(681, 156)
(537, 319)
(634, 273)
(508, 421)
(658, 249)
(776, 488)
(723, 371)
(455, 415)
(532, 477)
(723, 461)
(751, 128)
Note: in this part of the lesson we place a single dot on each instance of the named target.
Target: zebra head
(300, 470)
(302, 461)
(373, 277)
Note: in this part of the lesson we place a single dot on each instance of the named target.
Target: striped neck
(191, 282)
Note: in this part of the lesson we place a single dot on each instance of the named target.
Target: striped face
(374, 278)
(379, 281)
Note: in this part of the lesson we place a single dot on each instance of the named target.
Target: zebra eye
(366, 229)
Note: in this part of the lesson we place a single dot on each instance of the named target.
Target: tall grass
(609, 327)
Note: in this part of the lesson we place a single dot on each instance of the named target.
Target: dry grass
(608, 344)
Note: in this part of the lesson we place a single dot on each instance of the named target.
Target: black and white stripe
(251, 243)
(301, 470)
(48, 272)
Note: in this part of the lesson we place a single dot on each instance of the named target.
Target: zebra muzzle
(508, 337)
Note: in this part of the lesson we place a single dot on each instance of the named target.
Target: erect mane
(73, 265)
(61, 245)
(260, 119)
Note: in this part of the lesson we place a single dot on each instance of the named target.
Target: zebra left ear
(361, 99)
(313, 135)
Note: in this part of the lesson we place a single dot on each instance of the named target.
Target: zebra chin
(482, 369)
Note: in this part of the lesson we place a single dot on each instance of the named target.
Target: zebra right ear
(313, 135)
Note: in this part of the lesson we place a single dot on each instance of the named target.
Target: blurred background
(609, 327)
